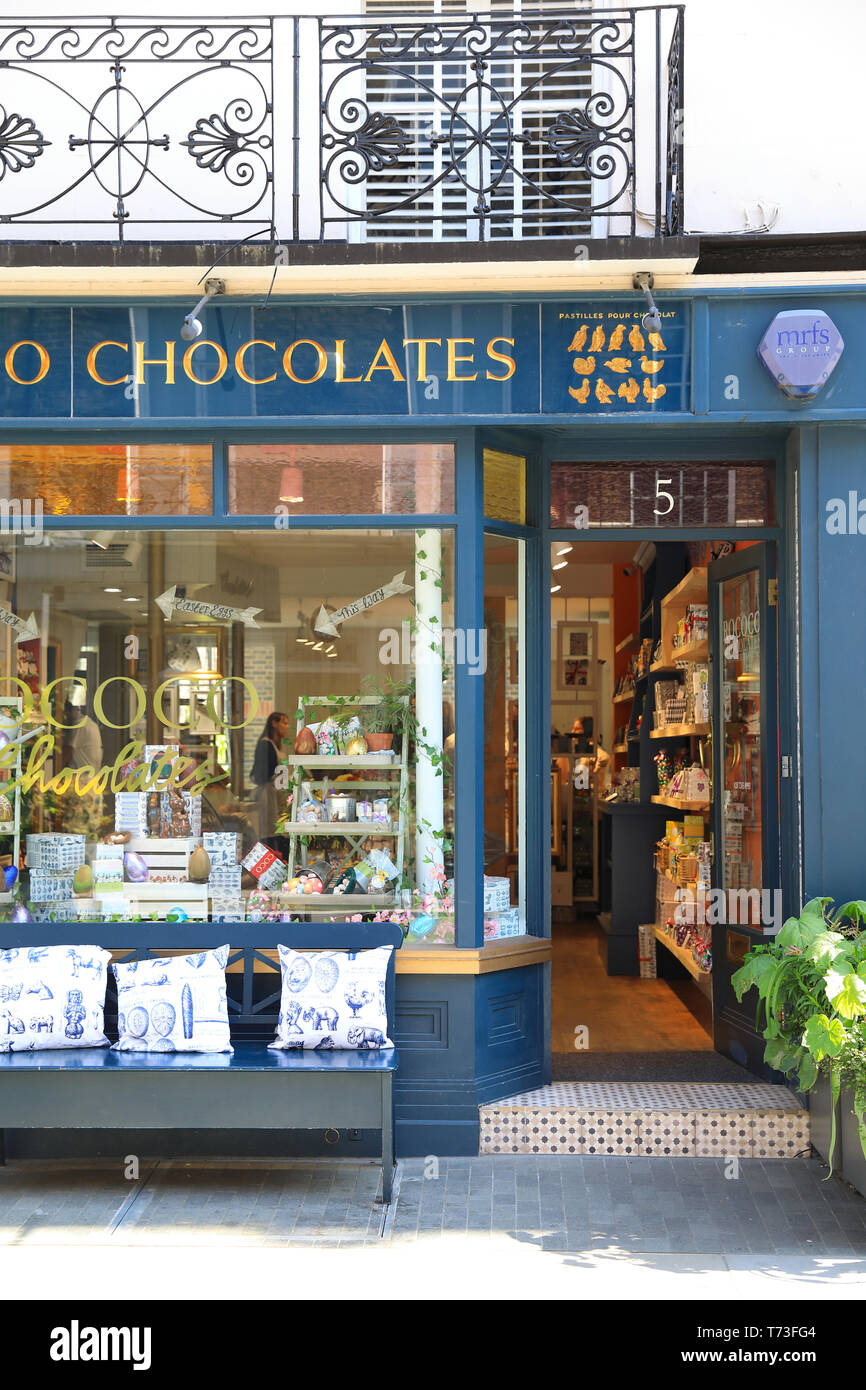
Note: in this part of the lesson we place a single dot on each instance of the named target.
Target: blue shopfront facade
(520, 377)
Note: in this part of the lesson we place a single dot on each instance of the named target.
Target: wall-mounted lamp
(644, 281)
(191, 328)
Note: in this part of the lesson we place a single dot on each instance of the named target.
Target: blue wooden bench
(253, 1088)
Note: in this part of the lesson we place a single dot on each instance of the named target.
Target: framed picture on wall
(576, 657)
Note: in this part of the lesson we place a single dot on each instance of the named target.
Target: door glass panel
(740, 862)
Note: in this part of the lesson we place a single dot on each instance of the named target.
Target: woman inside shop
(265, 762)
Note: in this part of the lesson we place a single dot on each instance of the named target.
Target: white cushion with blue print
(333, 999)
(52, 997)
(173, 1004)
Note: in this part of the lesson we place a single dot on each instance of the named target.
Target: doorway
(664, 802)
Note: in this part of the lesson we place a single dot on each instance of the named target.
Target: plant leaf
(808, 1071)
(756, 973)
(847, 993)
(827, 948)
(824, 1037)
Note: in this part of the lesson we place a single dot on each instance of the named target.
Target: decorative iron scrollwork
(219, 143)
(21, 143)
(379, 141)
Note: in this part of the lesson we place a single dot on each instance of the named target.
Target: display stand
(12, 829)
(353, 833)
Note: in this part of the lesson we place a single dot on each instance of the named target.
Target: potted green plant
(811, 985)
(392, 714)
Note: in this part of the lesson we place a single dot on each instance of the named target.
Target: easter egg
(422, 926)
(293, 885)
(316, 885)
(199, 866)
(82, 881)
(134, 866)
(10, 873)
(310, 885)
(6, 811)
(305, 743)
(176, 914)
(356, 746)
(20, 913)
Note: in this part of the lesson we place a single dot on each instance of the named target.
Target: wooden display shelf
(623, 696)
(620, 748)
(692, 651)
(680, 804)
(692, 588)
(317, 760)
(659, 666)
(352, 902)
(627, 643)
(683, 955)
(339, 827)
(681, 731)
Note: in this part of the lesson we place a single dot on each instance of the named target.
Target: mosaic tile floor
(647, 1119)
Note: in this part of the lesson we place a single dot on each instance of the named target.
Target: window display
(214, 724)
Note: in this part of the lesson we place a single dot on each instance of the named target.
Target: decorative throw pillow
(173, 1004)
(52, 996)
(333, 999)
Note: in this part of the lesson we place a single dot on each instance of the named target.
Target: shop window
(106, 479)
(287, 710)
(504, 486)
(341, 479)
(504, 712)
(694, 495)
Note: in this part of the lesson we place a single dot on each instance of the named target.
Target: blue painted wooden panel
(833, 662)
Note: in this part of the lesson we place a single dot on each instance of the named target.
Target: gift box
(505, 923)
(497, 894)
(55, 853)
(130, 812)
(223, 848)
(226, 908)
(108, 874)
(266, 865)
(226, 880)
(47, 888)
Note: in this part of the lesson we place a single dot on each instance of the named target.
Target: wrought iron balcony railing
(386, 127)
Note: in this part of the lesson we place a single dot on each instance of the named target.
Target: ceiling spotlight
(130, 600)
(644, 282)
(317, 646)
(191, 328)
(555, 588)
(561, 566)
(111, 591)
(565, 550)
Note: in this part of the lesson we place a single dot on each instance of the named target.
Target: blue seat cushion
(247, 1056)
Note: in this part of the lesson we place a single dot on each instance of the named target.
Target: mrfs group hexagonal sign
(800, 350)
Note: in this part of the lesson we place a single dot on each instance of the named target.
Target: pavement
(494, 1226)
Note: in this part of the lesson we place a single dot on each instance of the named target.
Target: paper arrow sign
(170, 604)
(327, 622)
(24, 631)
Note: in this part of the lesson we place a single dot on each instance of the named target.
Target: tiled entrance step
(676, 1119)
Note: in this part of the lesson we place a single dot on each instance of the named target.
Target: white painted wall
(773, 115)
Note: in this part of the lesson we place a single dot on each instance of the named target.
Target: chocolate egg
(356, 746)
(136, 869)
(305, 743)
(199, 866)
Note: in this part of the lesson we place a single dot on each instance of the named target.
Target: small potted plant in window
(392, 714)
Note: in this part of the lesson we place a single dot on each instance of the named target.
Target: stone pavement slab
(778, 1208)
